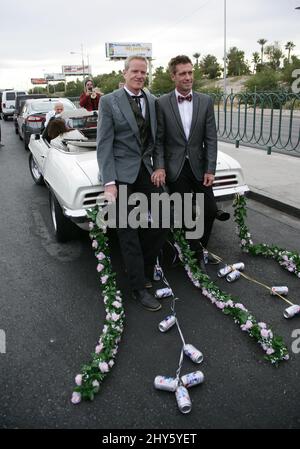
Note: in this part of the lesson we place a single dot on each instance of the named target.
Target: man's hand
(111, 193)
(158, 177)
(208, 180)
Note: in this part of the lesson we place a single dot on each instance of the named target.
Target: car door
(39, 148)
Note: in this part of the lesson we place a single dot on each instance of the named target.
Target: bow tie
(136, 97)
(182, 99)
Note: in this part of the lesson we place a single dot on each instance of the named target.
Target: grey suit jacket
(171, 142)
(119, 150)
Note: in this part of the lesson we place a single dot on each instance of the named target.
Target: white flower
(76, 398)
(78, 379)
(103, 367)
(117, 304)
(111, 363)
(100, 267)
(115, 316)
(101, 256)
(91, 225)
(94, 244)
(96, 384)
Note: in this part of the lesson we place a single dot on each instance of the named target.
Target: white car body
(73, 175)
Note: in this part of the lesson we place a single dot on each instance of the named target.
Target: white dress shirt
(186, 113)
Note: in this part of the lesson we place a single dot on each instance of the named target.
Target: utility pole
(225, 48)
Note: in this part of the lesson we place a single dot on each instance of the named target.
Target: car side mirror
(37, 137)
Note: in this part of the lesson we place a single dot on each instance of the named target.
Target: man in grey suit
(187, 138)
(125, 144)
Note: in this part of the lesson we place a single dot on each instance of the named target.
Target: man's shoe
(222, 215)
(147, 300)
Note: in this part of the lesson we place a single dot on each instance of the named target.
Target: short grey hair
(131, 58)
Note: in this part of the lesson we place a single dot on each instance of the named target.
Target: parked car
(8, 102)
(33, 114)
(71, 176)
(20, 100)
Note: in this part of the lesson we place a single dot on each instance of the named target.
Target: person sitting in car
(58, 132)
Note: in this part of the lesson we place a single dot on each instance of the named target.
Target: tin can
(205, 256)
(158, 273)
(233, 276)
(194, 354)
(163, 293)
(224, 271)
(183, 400)
(239, 266)
(192, 379)
(292, 311)
(280, 290)
(167, 323)
(165, 383)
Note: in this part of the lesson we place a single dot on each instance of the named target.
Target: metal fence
(266, 120)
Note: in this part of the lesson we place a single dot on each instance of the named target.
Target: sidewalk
(273, 180)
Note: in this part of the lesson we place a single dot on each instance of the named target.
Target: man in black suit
(187, 139)
(125, 144)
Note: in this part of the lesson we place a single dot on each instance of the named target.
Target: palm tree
(255, 60)
(289, 47)
(197, 56)
(262, 43)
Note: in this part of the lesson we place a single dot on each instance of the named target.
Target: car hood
(89, 165)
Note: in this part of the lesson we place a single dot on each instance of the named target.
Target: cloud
(39, 37)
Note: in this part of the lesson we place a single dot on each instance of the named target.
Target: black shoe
(222, 215)
(147, 300)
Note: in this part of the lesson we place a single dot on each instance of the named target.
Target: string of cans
(178, 384)
(234, 272)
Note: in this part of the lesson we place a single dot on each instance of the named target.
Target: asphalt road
(52, 314)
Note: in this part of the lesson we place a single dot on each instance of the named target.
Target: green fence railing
(266, 120)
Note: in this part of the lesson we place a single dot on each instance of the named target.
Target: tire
(4, 117)
(62, 226)
(34, 171)
(16, 130)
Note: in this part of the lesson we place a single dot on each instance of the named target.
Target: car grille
(90, 199)
(223, 182)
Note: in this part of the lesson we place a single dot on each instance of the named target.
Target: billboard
(118, 50)
(55, 77)
(76, 70)
(39, 81)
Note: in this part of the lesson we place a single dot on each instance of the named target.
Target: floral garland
(290, 260)
(273, 345)
(93, 373)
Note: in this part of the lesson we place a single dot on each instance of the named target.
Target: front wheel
(35, 172)
(62, 226)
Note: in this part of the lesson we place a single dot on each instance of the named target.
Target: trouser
(139, 247)
(187, 183)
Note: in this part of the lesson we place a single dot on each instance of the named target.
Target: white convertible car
(71, 175)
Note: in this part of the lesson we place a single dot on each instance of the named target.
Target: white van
(8, 102)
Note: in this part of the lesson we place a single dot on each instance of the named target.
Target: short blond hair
(131, 58)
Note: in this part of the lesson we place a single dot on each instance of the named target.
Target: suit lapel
(152, 113)
(128, 113)
(196, 104)
(174, 107)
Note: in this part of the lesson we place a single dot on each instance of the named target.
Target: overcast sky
(37, 37)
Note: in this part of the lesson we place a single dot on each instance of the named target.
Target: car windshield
(10, 96)
(46, 106)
